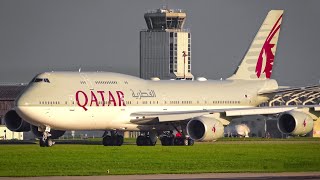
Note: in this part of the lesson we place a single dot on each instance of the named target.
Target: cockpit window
(41, 80)
(38, 80)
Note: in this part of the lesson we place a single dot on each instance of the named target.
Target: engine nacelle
(295, 123)
(55, 134)
(15, 123)
(205, 129)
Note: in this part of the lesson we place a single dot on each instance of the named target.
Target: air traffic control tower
(165, 47)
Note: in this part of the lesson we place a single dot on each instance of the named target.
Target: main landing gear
(168, 139)
(147, 139)
(45, 140)
(179, 139)
(114, 139)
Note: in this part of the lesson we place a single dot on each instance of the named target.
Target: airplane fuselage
(102, 100)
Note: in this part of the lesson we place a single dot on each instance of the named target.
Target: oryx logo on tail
(267, 51)
(258, 62)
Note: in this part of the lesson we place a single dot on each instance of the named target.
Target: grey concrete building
(165, 47)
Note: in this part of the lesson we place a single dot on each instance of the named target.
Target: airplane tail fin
(258, 62)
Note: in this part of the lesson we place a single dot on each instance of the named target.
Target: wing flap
(145, 121)
(259, 111)
(166, 116)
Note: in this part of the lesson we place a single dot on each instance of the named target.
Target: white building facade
(6, 134)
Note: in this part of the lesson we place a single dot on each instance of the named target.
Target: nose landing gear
(46, 140)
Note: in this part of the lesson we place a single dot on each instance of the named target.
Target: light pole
(184, 55)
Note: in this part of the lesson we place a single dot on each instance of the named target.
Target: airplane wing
(158, 117)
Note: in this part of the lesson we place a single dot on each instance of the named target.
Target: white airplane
(55, 102)
(241, 130)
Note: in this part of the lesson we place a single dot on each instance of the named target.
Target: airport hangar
(8, 93)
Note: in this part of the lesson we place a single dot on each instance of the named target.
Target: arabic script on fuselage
(143, 94)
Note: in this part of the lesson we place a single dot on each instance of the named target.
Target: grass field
(221, 156)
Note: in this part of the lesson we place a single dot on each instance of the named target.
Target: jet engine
(55, 134)
(205, 129)
(295, 123)
(15, 123)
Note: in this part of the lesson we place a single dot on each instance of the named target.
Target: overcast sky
(43, 35)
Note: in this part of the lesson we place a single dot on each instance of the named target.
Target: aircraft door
(87, 80)
(205, 103)
(71, 103)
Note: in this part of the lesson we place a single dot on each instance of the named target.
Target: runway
(243, 176)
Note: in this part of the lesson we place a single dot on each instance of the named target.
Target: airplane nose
(22, 100)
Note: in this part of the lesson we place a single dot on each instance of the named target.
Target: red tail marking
(266, 48)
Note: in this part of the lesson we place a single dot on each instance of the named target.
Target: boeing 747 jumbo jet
(55, 102)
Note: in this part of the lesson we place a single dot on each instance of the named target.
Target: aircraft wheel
(46, 143)
(163, 141)
(107, 141)
(116, 140)
(147, 141)
(140, 140)
(170, 141)
(49, 142)
(42, 143)
(178, 141)
(190, 142)
(153, 143)
(167, 141)
(119, 140)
